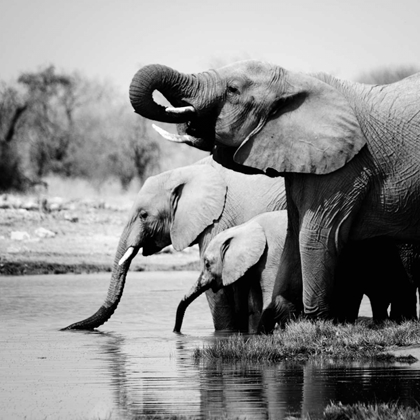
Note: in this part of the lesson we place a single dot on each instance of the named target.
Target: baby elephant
(245, 256)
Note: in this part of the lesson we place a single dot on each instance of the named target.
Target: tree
(52, 100)
(11, 112)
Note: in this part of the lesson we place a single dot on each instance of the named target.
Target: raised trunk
(175, 86)
(193, 294)
(115, 291)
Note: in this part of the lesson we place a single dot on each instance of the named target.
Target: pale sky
(111, 39)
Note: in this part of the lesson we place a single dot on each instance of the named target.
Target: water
(136, 366)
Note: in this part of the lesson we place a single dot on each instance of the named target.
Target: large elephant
(182, 207)
(245, 256)
(349, 154)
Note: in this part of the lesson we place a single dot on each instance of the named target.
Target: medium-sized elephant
(183, 207)
(245, 256)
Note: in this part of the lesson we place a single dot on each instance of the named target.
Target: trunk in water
(115, 291)
(193, 294)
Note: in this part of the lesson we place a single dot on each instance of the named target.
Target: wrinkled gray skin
(246, 255)
(182, 207)
(349, 154)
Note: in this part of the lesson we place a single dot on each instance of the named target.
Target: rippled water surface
(135, 365)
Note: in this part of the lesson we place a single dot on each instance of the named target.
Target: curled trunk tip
(172, 84)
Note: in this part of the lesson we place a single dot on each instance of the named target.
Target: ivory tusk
(126, 256)
(174, 137)
(181, 110)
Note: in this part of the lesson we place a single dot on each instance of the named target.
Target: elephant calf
(247, 256)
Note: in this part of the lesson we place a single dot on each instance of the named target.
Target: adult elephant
(349, 154)
(182, 207)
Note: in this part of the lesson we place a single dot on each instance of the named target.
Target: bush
(68, 125)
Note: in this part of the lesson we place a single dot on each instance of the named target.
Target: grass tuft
(370, 411)
(304, 339)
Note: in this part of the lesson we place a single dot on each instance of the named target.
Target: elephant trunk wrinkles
(175, 86)
(115, 291)
(193, 294)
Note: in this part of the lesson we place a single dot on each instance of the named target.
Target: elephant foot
(279, 312)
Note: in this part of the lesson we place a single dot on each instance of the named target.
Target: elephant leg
(286, 302)
(222, 310)
(379, 310)
(255, 304)
(346, 301)
(319, 252)
(405, 305)
(348, 292)
(404, 299)
(241, 290)
(388, 283)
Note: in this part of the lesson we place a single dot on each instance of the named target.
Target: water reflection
(244, 390)
(135, 365)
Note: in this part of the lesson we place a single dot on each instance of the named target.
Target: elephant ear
(314, 131)
(198, 195)
(241, 249)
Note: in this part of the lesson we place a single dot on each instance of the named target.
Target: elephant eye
(143, 214)
(206, 263)
(233, 90)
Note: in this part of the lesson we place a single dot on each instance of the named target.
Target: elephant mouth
(131, 252)
(199, 128)
(192, 134)
(150, 249)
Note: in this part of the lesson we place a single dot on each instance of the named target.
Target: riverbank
(50, 235)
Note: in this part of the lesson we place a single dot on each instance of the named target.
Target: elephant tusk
(181, 110)
(126, 256)
(185, 138)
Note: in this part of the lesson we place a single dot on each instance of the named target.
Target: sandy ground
(54, 236)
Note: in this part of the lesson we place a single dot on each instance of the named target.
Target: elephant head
(276, 120)
(172, 207)
(227, 258)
